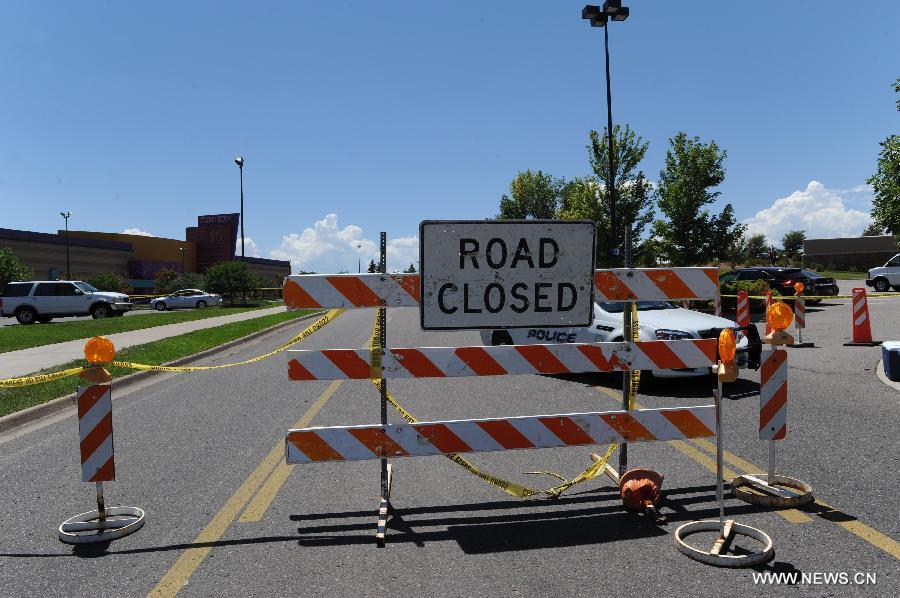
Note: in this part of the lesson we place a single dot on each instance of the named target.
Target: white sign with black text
(506, 273)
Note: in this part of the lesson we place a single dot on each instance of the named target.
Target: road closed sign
(506, 273)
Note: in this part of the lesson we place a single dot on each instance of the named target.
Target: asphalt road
(201, 454)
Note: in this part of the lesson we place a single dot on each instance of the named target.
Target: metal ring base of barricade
(713, 556)
(117, 523)
(863, 344)
(767, 499)
(807, 345)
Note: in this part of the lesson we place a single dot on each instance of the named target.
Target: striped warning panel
(356, 443)
(95, 429)
(351, 291)
(503, 360)
(656, 284)
(773, 395)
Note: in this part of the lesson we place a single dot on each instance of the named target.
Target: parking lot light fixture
(66, 216)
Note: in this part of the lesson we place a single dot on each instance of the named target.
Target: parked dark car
(783, 279)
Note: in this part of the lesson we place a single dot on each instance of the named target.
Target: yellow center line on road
(266, 494)
(178, 575)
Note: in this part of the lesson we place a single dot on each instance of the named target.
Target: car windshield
(615, 307)
(810, 274)
(788, 273)
(85, 287)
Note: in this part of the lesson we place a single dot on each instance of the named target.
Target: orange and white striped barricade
(98, 466)
(742, 315)
(771, 489)
(860, 323)
(800, 317)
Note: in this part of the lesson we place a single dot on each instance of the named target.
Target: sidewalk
(26, 361)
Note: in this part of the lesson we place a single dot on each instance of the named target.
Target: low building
(137, 257)
(850, 253)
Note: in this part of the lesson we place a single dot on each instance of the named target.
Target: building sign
(506, 274)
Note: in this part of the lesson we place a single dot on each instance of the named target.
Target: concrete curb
(879, 370)
(30, 414)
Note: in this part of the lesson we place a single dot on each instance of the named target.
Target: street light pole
(182, 259)
(66, 216)
(240, 162)
(612, 9)
(358, 259)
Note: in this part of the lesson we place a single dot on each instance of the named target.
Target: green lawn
(840, 275)
(14, 338)
(155, 353)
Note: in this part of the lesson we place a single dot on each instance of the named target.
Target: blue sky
(357, 117)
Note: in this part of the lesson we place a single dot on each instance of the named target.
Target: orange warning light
(99, 349)
(779, 316)
(726, 345)
(798, 287)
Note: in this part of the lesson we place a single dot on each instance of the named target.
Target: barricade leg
(98, 466)
(800, 321)
(727, 528)
(770, 489)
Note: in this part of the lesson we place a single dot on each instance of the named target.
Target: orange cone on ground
(862, 329)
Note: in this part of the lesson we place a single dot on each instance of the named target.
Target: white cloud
(137, 231)
(326, 248)
(250, 247)
(817, 210)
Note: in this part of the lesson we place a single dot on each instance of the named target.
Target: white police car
(657, 320)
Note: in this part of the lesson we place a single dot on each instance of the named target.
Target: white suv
(41, 301)
(885, 277)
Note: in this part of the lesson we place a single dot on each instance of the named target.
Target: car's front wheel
(100, 311)
(26, 315)
(882, 285)
(160, 306)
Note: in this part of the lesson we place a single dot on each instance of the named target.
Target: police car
(657, 320)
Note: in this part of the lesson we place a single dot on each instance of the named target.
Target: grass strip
(155, 353)
(14, 338)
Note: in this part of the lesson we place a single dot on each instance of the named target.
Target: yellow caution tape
(794, 297)
(315, 327)
(39, 378)
(634, 376)
(507, 486)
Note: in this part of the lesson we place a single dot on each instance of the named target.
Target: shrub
(109, 281)
(188, 280)
(229, 278)
(11, 268)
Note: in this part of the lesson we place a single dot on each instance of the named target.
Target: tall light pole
(358, 259)
(181, 249)
(66, 216)
(240, 162)
(612, 9)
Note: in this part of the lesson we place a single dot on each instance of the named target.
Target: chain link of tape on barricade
(507, 486)
(315, 327)
(39, 378)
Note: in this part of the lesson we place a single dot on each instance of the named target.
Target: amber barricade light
(798, 287)
(779, 317)
(727, 369)
(98, 351)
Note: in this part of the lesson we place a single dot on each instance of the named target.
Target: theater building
(137, 257)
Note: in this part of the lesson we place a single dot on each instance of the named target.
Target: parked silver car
(186, 299)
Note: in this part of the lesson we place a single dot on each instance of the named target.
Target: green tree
(188, 280)
(164, 278)
(690, 235)
(749, 249)
(373, 267)
(792, 243)
(11, 268)
(886, 182)
(872, 230)
(531, 195)
(109, 281)
(411, 269)
(587, 198)
(229, 278)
